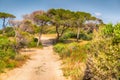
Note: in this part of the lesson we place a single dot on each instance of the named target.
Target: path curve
(43, 65)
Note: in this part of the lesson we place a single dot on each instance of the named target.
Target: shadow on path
(48, 42)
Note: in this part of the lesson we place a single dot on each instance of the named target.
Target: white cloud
(98, 14)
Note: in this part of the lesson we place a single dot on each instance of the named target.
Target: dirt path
(43, 65)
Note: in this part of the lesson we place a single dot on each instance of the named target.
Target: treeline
(28, 31)
(60, 18)
(17, 34)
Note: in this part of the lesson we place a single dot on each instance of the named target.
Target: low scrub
(8, 56)
(33, 43)
(104, 55)
(74, 56)
(6, 52)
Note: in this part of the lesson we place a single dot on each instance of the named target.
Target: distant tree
(80, 19)
(90, 27)
(27, 26)
(61, 19)
(40, 19)
(4, 17)
(15, 25)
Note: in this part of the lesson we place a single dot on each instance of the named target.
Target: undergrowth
(8, 56)
(74, 57)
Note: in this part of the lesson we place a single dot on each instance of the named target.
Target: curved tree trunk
(78, 33)
(39, 37)
(3, 26)
(60, 33)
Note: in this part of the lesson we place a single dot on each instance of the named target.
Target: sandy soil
(43, 65)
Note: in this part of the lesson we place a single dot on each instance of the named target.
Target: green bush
(32, 44)
(6, 52)
(11, 65)
(104, 54)
(67, 35)
(9, 32)
(59, 48)
(83, 35)
(116, 39)
(69, 50)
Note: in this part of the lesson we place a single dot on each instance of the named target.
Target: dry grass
(73, 65)
(83, 42)
(73, 70)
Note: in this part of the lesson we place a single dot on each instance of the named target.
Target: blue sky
(107, 10)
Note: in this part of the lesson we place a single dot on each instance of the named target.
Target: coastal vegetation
(89, 48)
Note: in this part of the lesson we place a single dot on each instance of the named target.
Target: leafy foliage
(103, 61)
(6, 15)
(6, 52)
(9, 32)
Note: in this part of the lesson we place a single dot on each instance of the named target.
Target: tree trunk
(78, 33)
(58, 38)
(16, 33)
(39, 37)
(58, 35)
(3, 26)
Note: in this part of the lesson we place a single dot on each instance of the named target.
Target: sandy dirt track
(43, 65)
